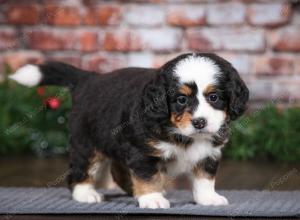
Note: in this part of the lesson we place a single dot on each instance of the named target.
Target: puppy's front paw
(86, 193)
(210, 198)
(153, 201)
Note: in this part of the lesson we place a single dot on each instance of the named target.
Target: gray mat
(58, 201)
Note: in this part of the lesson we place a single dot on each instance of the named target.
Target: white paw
(210, 198)
(153, 201)
(86, 193)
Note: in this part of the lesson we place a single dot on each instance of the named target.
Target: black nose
(199, 123)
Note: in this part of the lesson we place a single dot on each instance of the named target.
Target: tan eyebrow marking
(186, 90)
(209, 89)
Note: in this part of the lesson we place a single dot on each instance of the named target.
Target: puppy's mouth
(202, 133)
(223, 132)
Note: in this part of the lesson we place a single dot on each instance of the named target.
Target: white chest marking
(186, 159)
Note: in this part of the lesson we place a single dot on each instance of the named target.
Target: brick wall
(260, 37)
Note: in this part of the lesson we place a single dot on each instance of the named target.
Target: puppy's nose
(199, 123)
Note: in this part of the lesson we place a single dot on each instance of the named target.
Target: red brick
(103, 15)
(286, 40)
(145, 15)
(122, 41)
(49, 40)
(274, 65)
(161, 59)
(186, 16)
(22, 14)
(62, 15)
(88, 41)
(70, 58)
(198, 40)
(103, 63)
(226, 39)
(8, 39)
(19, 58)
(297, 65)
(226, 13)
(60, 2)
(270, 14)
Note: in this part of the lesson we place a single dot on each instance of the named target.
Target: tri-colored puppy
(149, 124)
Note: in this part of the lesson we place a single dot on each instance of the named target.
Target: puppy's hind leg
(121, 176)
(85, 164)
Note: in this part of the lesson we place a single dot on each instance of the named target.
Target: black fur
(210, 166)
(222, 136)
(120, 112)
(61, 74)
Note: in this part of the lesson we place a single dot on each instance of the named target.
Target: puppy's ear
(155, 102)
(238, 94)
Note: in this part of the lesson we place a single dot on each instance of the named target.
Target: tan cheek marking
(141, 187)
(181, 121)
(186, 90)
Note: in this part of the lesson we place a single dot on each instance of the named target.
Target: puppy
(149, 124)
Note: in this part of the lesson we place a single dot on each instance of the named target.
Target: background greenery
(28, 127)
(266, 133)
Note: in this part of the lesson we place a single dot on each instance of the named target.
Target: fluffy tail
(50, 73)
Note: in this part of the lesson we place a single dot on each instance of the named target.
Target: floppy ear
(238, 94)
(155, 104)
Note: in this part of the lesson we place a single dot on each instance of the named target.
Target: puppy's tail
(49, 73)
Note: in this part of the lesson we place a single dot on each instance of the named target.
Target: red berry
(41, 91)
(53, 103)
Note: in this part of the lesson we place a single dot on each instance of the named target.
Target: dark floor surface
(37, 172)
(111, 217)
(131, 217)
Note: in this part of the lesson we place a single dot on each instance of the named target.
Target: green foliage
(27, 125)
(266, 133)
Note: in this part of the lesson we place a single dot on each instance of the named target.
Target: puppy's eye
(213, 97)
(182, 100)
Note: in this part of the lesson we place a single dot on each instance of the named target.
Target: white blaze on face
(202, 71)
